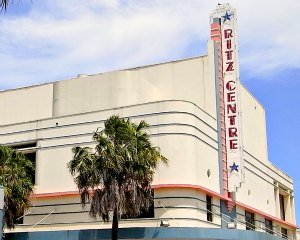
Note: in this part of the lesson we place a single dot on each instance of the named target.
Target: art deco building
(219, 183)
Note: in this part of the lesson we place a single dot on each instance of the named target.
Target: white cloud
(59, 39)
(269, 40)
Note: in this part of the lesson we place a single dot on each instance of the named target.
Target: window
(209, 214)
(19, 220)
(250, 224)
(282, 209)
(269, 226)
(29, 150)
(284, 233)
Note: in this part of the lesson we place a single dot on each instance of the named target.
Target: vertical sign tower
(224, 36)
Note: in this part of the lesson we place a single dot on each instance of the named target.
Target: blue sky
(49, 40)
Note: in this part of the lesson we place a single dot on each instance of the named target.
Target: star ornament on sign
(234, 167)
(227, 16)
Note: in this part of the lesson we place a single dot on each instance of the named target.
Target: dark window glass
(284, 232)
(269, 226)
(32, 157)
(19, 220)
(209, 208)
(30, 154)
(26, 145)
(250, 224)
(282, 210)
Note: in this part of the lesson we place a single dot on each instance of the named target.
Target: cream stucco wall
(253, 126)
(176, 127)
(180, 80)
(26, 104)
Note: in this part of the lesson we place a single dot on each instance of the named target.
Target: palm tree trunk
(115, 225)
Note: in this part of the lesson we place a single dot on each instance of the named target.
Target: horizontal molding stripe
(102, 120)
(181, 186)
(193, 198)
(87, 211)
(91, 133)
(155, 198)
(123, 220)
(119, 108)
(260, 162)
(186, 207)
(153, 135)
(246, 207)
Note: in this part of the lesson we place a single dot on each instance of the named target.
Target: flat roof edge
(105, 72)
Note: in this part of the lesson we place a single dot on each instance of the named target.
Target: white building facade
(219, 183)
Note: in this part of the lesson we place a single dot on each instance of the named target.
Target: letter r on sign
(228, 33)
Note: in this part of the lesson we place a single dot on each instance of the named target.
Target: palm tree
(116, 177)
(15, 178)
(4, 4)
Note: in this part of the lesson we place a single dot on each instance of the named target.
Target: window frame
(269, 226)
(209, 205)
(284, 233)
(282, 206)
(250, 225)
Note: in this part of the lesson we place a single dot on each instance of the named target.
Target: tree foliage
(15, 178)
(116, 177)
(4, 4)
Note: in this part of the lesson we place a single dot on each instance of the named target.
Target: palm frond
(4, 4)
(117, 176)
(15, 177)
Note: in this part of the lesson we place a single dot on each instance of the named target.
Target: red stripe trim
(55, 194)
(216, 35)
(189, 186)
